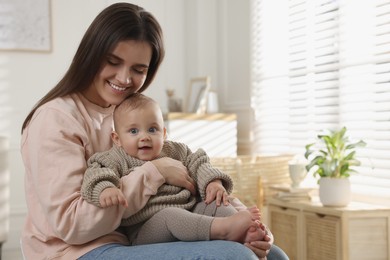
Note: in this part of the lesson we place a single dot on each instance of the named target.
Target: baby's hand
(112, 197)
(216, 191)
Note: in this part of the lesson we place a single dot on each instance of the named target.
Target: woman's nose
(124, 77)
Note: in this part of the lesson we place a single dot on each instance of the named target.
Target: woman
(119, 54)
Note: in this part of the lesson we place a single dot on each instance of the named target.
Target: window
(320, 65)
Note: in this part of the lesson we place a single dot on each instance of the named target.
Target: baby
(173, 213)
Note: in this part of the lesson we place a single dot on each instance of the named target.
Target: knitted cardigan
(106, 168)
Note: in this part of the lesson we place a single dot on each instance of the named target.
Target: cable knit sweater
(106, 168)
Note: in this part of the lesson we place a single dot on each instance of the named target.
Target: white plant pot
(335, 192)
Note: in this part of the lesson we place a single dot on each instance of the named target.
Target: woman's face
(124, 72)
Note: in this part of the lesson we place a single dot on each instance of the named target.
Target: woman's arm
(139, 186)
(55, 155)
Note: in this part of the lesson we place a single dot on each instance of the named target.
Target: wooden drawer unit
(307, 230)
(322, 236)
(285, 225)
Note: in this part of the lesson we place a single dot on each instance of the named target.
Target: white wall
(203, 37)
(218, 45)
(234, 66)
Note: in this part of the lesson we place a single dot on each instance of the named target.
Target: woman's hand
(216, 191)
(261, 248)
(175, 173)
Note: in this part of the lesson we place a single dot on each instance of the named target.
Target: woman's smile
(116, 87)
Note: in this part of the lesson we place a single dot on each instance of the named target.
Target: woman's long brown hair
(117, 22)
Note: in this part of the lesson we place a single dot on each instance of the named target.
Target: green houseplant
(331, 159)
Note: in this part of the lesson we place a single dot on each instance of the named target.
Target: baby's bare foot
(256, 233)
(255, 212)
(239, 227)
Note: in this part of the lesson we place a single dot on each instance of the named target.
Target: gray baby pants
(173, 224)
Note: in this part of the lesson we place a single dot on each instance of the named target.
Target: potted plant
(331, 159)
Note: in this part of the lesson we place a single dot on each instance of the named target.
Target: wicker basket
(228, 165)
(253, 175)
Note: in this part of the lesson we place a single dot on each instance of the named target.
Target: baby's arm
(112, 196)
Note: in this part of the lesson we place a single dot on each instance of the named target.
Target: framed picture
(25, 25)
(197, 95)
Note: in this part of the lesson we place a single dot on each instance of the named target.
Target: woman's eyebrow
(113, 56)
(142, 65)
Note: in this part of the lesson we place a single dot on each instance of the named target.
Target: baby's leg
(237, 204)
(173, 224)
(213, 211)
(223, 211)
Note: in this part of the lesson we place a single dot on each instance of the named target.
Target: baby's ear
(115, 138)
(165, 134)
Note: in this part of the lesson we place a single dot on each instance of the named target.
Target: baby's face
(141, 132)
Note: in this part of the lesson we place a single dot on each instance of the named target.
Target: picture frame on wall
(25, 25)
(197, 95)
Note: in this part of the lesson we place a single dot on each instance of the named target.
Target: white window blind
(324, 64)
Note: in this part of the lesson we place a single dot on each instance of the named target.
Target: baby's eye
(133, 131)
(153, 130)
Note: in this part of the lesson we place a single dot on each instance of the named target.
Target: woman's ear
(115, 138)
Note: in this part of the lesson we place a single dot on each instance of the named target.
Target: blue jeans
(210, 250)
